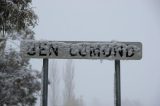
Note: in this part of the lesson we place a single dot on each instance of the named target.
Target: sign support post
(117, 86)
(45, 83)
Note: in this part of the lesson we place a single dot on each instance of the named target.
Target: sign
(82, 50)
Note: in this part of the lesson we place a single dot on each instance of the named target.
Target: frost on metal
(82, 50)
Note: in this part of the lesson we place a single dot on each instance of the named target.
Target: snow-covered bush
(19, 83)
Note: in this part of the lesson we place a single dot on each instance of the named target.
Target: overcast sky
(107, 20)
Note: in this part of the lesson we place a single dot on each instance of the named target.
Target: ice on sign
(82, 50)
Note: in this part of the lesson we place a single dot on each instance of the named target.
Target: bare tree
(68, 83)
(54, 84)
(69, 95)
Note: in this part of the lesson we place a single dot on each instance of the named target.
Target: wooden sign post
(82, 50)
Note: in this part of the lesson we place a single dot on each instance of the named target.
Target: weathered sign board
(82, 50)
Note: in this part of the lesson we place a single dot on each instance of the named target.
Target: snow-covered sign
(82, 50)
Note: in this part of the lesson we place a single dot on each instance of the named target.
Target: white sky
(106, 20)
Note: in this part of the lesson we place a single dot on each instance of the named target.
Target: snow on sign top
(82, 50)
